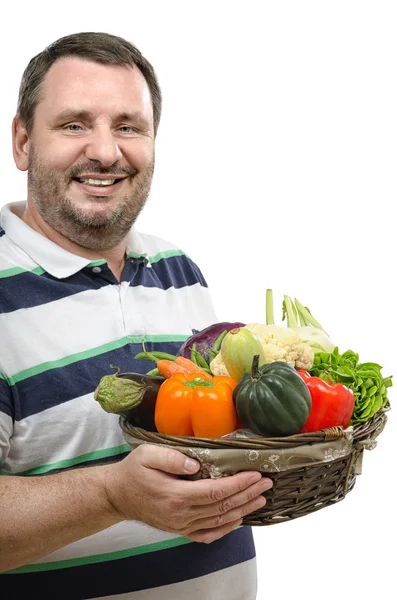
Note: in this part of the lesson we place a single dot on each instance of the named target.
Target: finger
(221, 520)
(210, 491)
(167, 460)
(210, 535)
(237, 500)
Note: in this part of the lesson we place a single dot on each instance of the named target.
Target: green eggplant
(131, 395)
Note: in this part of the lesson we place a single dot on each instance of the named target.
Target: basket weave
(305, 484)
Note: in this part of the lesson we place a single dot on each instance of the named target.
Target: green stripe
(97, 263)
(156, 257)
(19, 270)
(165, 338)
(71, 462)
(86, 354)
(165, 254)
(99, 558)
(67, 360)
(132, 254)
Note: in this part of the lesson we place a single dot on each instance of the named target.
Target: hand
(145, 487)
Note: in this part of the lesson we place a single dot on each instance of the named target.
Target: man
(80, 289)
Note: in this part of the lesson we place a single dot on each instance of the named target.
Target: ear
(20, 144)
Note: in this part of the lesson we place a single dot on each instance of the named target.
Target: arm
(41, 514)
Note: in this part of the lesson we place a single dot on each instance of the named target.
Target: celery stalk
(269, 307)
(307, 316)
(289, 309)
(295, 312)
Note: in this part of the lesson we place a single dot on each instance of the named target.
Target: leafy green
(365, 379)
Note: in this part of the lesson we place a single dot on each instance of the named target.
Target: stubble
(48, 189)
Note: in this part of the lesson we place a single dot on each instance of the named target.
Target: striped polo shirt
(64, 321)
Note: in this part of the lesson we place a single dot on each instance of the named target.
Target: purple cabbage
(205, 339)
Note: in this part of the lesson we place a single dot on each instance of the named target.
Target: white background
(276, 167)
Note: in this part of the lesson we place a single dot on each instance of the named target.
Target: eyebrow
(84, 115)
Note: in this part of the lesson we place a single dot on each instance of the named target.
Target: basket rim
(359, 432)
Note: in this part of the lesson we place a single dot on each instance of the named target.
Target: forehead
(95, 87)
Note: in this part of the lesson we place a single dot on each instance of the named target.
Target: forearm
(41, 514)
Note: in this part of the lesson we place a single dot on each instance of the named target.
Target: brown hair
(102, 48)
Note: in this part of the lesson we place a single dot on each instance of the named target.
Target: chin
(99, 209)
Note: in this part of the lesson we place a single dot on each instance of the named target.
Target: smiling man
(80, 289)
(90, 156)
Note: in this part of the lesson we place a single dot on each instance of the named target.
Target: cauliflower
(278, 343)
(284, 344)
(218, 367)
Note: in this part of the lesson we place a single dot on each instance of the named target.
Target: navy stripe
(2, 232)
(28, 289)
(175, 271)
(6, 403)
(136, 573)
(80, 378)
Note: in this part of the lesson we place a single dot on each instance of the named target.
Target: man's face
(91, 151)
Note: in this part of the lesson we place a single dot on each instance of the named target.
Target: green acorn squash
(272, 400)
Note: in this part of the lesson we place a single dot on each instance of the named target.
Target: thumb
(169, 461)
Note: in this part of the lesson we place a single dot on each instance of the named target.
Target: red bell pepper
(332, 404)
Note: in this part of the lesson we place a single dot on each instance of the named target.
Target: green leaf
(372, 391)
(387, 382)
(371, 365)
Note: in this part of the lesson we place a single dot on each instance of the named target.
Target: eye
(127, 129)
(73, 127)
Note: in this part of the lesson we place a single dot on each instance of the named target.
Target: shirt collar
(57, 261)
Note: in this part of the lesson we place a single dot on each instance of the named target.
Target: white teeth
(97, 181)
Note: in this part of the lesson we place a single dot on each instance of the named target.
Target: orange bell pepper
(188, 405)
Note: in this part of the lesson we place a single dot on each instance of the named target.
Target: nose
(102, 147)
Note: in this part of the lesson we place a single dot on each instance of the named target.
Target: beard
(99, 230)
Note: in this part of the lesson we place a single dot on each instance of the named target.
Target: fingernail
(191, 466)
(267, 484)
(255, 477)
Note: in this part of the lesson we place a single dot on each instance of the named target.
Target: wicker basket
(309, 471)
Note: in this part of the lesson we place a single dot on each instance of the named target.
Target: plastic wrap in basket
(309, 471)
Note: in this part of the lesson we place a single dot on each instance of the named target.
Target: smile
(99, 187)
(97, 182)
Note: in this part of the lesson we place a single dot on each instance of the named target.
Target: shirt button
(96, 269)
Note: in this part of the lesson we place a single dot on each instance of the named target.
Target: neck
(115, 257)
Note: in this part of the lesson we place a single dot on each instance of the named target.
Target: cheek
(139, 155)
(63, 156)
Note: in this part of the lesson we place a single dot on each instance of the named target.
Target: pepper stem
(255, 367)
(198, 382)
